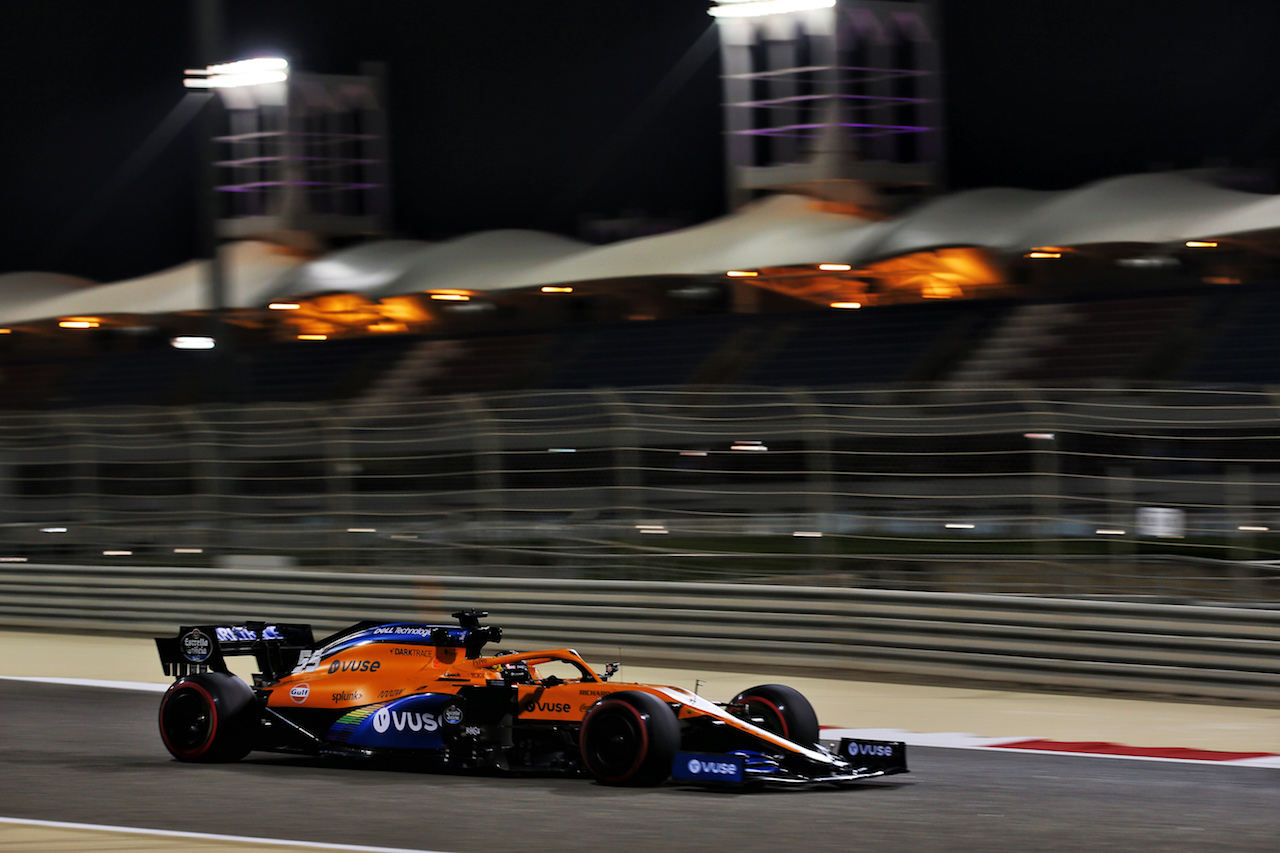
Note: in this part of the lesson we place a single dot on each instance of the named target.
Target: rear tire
(209, 717)
(779, 709)
(629, 738)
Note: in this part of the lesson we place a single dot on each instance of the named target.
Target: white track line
(960, 740)
(148, 686)
(208, 836)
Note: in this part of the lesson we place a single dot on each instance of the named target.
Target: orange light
(742, 274)
(1202, 244)
(313, 337)
(1044, 254)
(78, 324)
(451, 297)
(284, 306)
(846, 304)
(835, 267)
(550, 289)
(6, 331)
(387, 327)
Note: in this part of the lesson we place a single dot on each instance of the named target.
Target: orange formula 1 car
(426, 693)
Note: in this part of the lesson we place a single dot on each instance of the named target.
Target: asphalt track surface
(92, 755)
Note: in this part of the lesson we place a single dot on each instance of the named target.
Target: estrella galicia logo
(197, 646)
(300, 692)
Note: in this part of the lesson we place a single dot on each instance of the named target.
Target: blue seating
(1246, 349)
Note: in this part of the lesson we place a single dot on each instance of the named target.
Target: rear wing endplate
(200, 648)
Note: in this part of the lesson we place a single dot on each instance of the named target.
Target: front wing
(854, 759)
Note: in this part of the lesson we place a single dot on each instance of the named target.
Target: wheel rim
(188, 721)
(616, 743)
(770, 715)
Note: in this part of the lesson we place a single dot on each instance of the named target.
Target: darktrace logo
(355, 666)
(197, 646)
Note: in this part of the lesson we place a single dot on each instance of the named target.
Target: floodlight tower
(305, 158)
(839, 99)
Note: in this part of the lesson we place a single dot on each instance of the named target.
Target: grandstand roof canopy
(1157, 208)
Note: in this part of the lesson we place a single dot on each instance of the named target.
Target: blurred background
(925, 296)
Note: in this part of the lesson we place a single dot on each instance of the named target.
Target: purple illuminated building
(304, 160)
(834, 101)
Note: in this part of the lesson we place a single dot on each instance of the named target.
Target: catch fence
(1112, 492)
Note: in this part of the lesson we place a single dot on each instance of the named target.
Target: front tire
(779, 709)
(629, 738)
(208, 717)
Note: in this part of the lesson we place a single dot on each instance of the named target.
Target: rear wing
(199, 648)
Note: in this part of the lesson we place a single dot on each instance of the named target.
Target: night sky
(516, 113)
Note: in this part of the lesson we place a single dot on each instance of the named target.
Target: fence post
(487, 450)
(338, 468)
(816, 435)
(626, 454)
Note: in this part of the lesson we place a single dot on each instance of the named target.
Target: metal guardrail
(1207, 652)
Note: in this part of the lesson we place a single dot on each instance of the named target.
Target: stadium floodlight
(192, 342)
(756, 8)
(233, 75)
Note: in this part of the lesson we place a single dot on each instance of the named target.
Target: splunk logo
(384, 720)
(698, 767)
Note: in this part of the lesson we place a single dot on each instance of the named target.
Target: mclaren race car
(425, 693)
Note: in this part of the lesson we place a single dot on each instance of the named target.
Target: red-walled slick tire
(210, 716)
(629, 738)
(779, 709)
